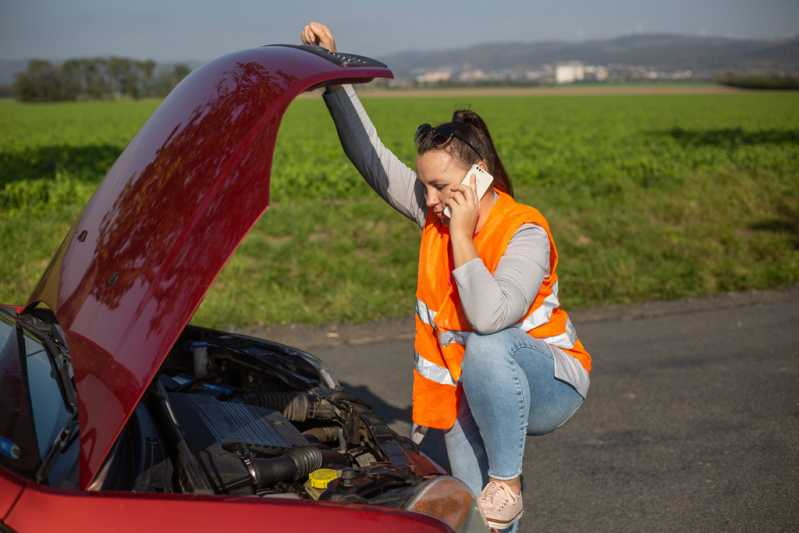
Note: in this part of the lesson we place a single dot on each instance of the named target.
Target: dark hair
(472, 129)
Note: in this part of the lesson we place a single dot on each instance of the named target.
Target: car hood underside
(175, 205)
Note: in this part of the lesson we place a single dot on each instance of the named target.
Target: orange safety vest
(442, 327)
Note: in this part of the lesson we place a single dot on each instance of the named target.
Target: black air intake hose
(294, 465)
(296, 406)
(323, 434)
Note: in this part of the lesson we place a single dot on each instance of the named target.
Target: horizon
(464, 47)
(186, 31)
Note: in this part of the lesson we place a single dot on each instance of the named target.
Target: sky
(185, 30)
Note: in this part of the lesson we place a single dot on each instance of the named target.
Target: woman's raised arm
(392, 179)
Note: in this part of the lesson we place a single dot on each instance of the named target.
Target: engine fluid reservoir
(318, 481)
(199, 352)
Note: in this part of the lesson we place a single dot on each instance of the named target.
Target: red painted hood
(178, 201)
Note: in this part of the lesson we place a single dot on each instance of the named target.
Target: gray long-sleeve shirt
(491, 302)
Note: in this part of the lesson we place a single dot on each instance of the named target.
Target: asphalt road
(691, 422)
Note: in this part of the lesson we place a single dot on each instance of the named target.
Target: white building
(435, 76)
(470, 75)
(569, 72)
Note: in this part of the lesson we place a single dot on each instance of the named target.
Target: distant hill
(662, 51)
(665, 51)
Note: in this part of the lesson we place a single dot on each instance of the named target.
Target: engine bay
(231, 414)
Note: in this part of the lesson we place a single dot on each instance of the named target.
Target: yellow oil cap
(319, 478)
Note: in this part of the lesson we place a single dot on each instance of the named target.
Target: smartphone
(484, 180)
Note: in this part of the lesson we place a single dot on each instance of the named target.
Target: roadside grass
(649, 197)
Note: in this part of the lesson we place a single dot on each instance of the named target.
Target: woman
(496, 356)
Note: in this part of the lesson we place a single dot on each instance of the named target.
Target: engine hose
(323, 434)
(296, 406)
(294, 465)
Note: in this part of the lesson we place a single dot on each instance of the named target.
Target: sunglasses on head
(441, 136)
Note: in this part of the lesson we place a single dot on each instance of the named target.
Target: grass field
(649, 197)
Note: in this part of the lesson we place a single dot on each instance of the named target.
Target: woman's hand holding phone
(466, 196)
(464, 205)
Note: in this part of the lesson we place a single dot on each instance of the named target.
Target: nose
(431, 198)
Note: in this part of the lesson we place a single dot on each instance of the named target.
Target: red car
(118, 415)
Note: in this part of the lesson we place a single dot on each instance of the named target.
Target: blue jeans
(510, 391)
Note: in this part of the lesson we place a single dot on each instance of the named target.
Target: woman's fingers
(323, 35)
(451, 205)
(454, 200)
(307, 35)
(320, 28)
(459, 200)
(471, 190)
(310, 34)
(329, 37)
(466, 193)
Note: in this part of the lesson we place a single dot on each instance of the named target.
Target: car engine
(230, 414)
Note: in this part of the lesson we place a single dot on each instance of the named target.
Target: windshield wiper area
(65, 437)
(47, 333)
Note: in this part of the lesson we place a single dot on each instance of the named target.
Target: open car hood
(173, 208)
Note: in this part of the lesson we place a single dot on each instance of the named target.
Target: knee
(482, 351)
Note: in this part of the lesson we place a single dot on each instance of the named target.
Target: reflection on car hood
(175, 205)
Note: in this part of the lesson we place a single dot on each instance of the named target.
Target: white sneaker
(499, 505)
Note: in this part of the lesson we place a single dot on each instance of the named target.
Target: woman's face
(439, 171)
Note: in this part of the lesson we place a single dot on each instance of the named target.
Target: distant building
(545, 73)
(569, 72)
(682, 75)
(472, 74)
(596, 73)
(435, 76)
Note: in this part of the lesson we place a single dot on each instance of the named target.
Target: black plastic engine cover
(207, 423)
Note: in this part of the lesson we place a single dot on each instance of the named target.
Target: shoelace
(493, 490)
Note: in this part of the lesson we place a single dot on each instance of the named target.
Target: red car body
(133, 269)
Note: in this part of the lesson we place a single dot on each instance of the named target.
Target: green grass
(649, 197)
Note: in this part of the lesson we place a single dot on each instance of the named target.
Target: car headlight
(449, 500)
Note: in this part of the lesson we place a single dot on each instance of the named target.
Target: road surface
(691, 423)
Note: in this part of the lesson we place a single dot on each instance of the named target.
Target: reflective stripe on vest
(432, 371)
(567, 339)
(564, 340)
(426, 315)
(537, 318)
(445, 338)
(543, 314)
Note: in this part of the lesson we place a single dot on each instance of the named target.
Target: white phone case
(484, 181)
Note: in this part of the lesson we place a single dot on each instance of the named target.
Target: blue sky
(203, 29)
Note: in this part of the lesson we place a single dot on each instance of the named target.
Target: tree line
(760, 81)
(98, 78)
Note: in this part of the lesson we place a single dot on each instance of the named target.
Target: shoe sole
(502, 525)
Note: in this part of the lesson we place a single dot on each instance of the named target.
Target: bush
(769, 82)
